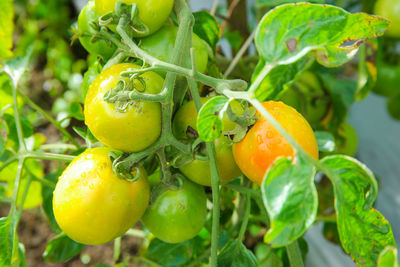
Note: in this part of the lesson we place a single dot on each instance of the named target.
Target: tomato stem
(294, 254)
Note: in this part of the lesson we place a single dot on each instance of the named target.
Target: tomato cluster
(93, 204)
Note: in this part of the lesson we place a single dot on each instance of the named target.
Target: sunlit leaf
(6, 28)
(363, 231)
(388, 258)
(207, 28)
(290, 197)
(325, 141)
(209, 120)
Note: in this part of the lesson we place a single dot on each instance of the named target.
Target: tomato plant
(239, 170)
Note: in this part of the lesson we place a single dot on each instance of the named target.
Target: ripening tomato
(136, 128)
(92, 205)
(162, 43)
(197, 170)
(101, 48)
(153, 13)
(390, 9)
(263, 144)
(177, 215)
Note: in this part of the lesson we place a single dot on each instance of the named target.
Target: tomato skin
(92, 205)
(153, 13)
(133, 130)
(387, 80)
(263, 144)
(390, 9)
(307, 97)
(177, 215)
(162, 43)
(99, 47)
(199, 171)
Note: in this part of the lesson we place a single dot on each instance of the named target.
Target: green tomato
(197, 170)
(153, 13)
(162, 43)
(307, 97)
(387, 80)
(390, 9)
(98, 47)
(136, 128)
(393, 106)
(348, 145)
(177, 215)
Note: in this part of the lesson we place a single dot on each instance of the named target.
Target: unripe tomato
(177, 215)
(197, 170)
(390, 9)
(162, 43)
(92, 205)
(99, 47)
(136, 128)
(153, 13)
(307, 97)
(393, 106)
(349, 144)
(263, 144)
(387, 80)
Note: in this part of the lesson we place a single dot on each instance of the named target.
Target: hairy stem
(294, 254)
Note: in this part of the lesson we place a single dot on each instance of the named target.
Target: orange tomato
(263, 144)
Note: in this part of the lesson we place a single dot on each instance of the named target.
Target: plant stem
(245, 219)
(136, 233)
(57, 147)
(51, 120)
(117, 249)
(49, 156)
(294, 254)
(240, 53)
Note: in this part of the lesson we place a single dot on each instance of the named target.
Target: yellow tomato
(136, 128)
(92, 205)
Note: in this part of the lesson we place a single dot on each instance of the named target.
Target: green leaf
(169, 255)
(6, 242)
(207, 28)
(367, 72)
(47, 195)
(278, 79)
(61, 248)
(272, 3)
(6, 28)
(388, 258)
(290, 197)
(325, 141)
(330, 34)
(363, 231)
(235, 254)
(289, 32)
(17, 66)
(89, 76)
(209, 119)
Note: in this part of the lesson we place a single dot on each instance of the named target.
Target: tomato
(153, 13)
(390, 9)
(99, 47)
(263, 144)
(162, 43)
(177, 215)
(197, 170)
(307, 97)
(393, 106)
(92, 205)
(387, 80)
(349, 142)
(133, 130)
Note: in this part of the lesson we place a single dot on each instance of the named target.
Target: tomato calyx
(244, 122)
(123, 168)
(124, 93)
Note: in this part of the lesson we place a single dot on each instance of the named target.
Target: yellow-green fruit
(92, 205)
(132, 130)
(198, 170)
